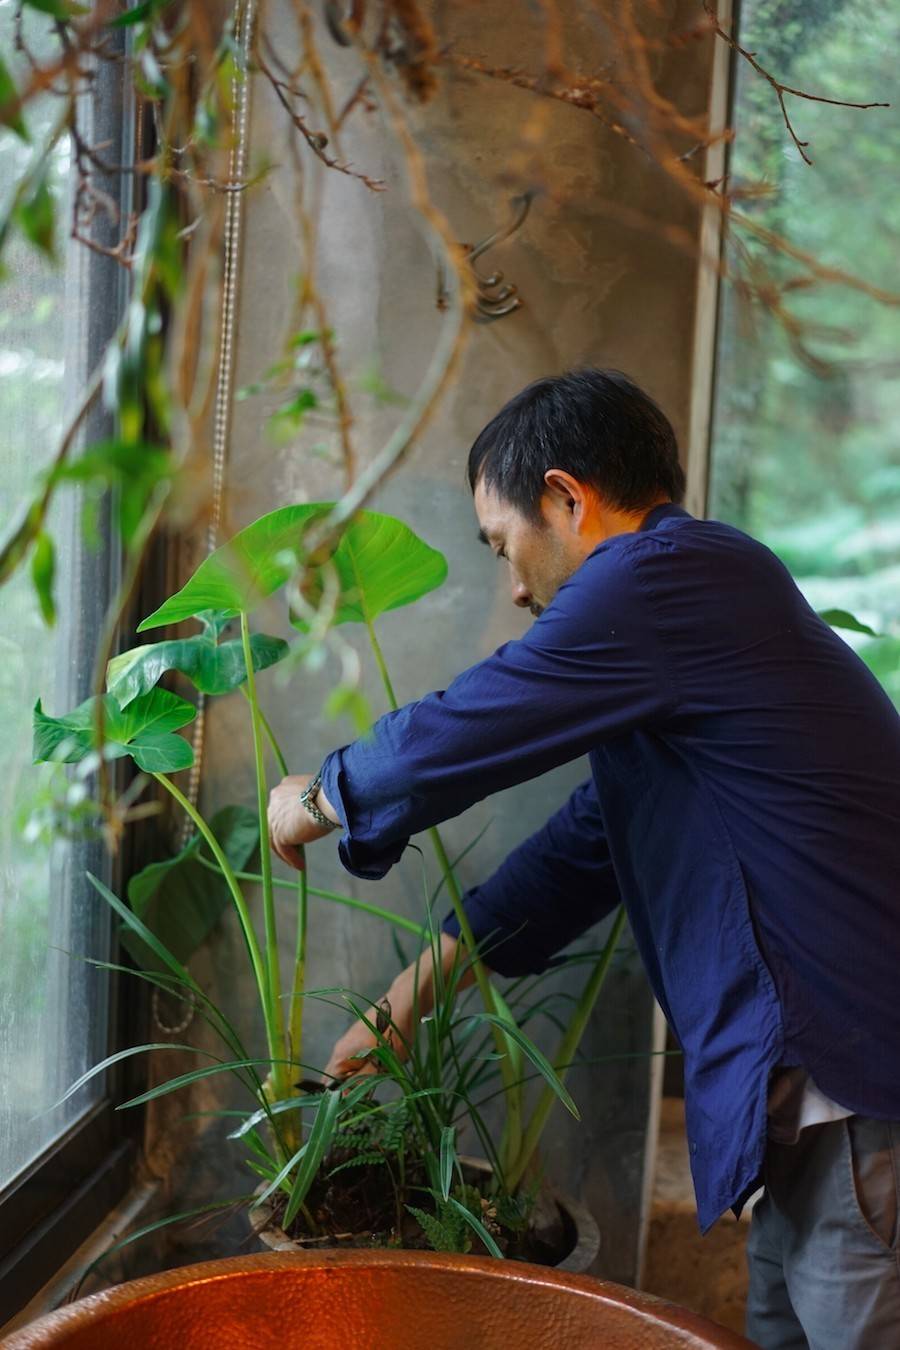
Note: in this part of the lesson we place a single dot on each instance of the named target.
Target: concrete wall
(595, 291)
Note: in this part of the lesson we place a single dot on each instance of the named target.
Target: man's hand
(398, 1007)
(290, 825)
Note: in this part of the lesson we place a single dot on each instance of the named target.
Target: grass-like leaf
(195, 1075)
(537, 1057)
(317, 1146)
(477, 1227)
(448, 1158)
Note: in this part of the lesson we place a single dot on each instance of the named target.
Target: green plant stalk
(295, 1015)
(408, 925)
(295, 1034)
(270, 734)
(512, 1131)
(272, 986)
(565, 1054)
(224, 866)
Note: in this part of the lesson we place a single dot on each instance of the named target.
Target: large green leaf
(245, 570)
(381, 565)
(179, 899)
(212, 668)
(145, 730)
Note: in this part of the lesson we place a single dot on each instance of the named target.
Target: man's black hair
(597, 425)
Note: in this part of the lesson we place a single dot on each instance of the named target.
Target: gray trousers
(824, 1243)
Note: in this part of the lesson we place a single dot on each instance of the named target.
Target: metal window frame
(709, 297)
(49, 1209)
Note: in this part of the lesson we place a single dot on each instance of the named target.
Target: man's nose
(521, 594)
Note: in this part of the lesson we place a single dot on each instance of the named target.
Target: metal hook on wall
(494, 298)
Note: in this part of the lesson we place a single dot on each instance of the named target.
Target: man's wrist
(326, 808)
(316, 805)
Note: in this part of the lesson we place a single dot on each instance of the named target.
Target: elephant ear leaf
(211, 667)
(145, 730)
(245, 570)
(381, 564)
(181, 899)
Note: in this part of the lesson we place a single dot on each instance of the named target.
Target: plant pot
(376, 1300)
(577, 1237)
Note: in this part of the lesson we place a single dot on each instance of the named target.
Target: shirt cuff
(361, 858)
(507, 953)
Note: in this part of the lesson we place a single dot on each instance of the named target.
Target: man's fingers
(290, 854)
(345, 1068)
(293, 856)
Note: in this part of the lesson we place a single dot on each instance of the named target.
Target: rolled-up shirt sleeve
(547, 893)
(590, 668)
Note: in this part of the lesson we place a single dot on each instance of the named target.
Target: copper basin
(360, 1300)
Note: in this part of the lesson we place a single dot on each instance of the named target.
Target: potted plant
(367, 1158)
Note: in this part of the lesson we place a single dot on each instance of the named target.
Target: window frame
(52, 1206)
(710, 288)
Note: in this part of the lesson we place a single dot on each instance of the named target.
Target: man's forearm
(418, 979)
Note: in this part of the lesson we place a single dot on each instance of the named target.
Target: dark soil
(362, 1207)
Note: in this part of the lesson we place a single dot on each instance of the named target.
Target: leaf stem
(273, 1009)
(565, 1054)
(295, 1039)
(224, 866)
(512, 1134)
(409, 925)
(270, 734)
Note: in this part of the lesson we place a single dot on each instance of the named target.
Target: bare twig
(316, 140)
(583, 92)
(780, 88)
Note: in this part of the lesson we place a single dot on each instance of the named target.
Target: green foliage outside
(808, 460)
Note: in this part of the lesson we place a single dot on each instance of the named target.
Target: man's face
(540, 556)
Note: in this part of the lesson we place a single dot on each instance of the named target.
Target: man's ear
(566, 493)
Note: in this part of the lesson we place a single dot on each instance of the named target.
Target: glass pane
(805, 461)
(52, 1005)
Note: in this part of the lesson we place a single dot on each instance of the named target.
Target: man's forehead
(492, 513)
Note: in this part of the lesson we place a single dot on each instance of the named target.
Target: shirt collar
(665, 511)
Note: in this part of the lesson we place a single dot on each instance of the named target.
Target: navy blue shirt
(744, 803)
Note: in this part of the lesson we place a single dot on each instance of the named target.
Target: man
(744, 802)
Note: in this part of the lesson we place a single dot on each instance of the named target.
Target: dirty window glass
(806, 432)
(52, 1004)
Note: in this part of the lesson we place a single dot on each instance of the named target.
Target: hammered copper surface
(370, 1301)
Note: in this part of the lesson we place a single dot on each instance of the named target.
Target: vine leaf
(36, 215)
(133, 470)
(8, 95)
(43, 571)
(59, 9)
(145, 730)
